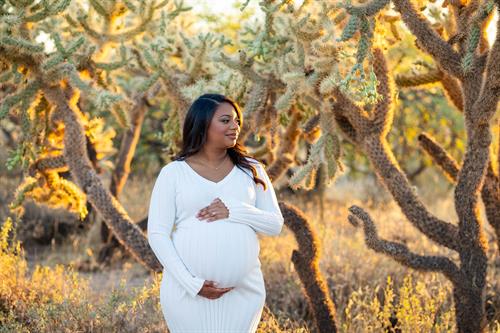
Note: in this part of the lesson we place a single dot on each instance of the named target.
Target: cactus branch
(306, 262)
(400, 252)
(444, 160)
(114, 215)
(429, 39)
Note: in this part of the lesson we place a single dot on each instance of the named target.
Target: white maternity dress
(225, 251)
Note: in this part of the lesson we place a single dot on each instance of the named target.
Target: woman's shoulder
(252, 160)
(171, 167)
(259, 166)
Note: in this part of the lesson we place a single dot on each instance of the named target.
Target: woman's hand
(215, 211)
(210, 291)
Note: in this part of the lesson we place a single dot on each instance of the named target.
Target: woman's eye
(226, 120)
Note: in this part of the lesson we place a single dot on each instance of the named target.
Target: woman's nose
(235, 124)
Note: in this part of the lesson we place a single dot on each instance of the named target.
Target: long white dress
(225, 251)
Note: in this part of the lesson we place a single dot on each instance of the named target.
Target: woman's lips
(232, 136)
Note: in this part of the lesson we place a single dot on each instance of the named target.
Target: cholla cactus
(368, 132)
(73, 84)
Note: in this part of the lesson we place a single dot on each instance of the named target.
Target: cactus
(306, 261)
(467, 239)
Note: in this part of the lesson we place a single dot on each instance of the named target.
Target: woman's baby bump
(222, 251)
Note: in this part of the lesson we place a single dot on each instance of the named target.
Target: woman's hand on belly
(215, 211)
(210, 291)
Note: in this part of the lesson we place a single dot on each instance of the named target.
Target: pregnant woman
(207, 206)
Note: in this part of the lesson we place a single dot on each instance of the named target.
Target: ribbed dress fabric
(225, 251)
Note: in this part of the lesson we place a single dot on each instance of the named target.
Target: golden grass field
(60, 288)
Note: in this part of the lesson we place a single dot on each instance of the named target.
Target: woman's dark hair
(195, 129)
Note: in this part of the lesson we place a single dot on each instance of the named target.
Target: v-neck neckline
(208, 180)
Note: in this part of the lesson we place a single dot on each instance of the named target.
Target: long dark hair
(195, 129)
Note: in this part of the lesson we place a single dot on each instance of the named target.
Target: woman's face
(224, 127)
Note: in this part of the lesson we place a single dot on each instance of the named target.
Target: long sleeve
(265, 217)
(161, 220)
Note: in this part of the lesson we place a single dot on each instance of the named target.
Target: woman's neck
(212, 156)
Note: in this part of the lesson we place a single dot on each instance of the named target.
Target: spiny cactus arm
(486, 104)
(101, 36)
(312, 123)
(114, 215)
(400, 252)
(244, 66)
(16, 54)
(367, 9)
(383, 114)
(256, 102)
(48, 163)
(354, 120)
(288, 146)
(430, 41)
(490, 192)
(444, 160)
(26, 94)
(369, 136)
(472, 22)
(414, 80)
(128, 144)
(174, 92)
(257, 99)
(397, 183)
(450, 84)
(453, 90)
(475, 163)
(306, 262)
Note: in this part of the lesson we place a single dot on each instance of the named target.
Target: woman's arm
(265, 217)
(161, 220)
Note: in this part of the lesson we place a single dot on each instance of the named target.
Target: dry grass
(62, 289)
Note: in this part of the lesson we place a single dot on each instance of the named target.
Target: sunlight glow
(491, 30)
